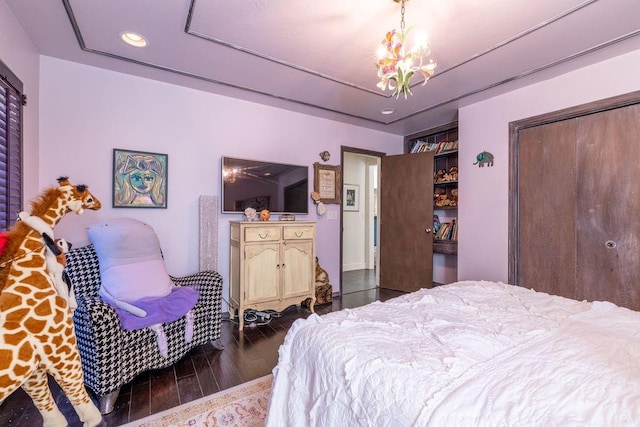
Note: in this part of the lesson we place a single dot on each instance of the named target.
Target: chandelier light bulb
(421, 41)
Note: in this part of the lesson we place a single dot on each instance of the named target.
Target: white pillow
(131, 264)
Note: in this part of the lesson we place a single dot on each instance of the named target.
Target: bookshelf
(443, 143)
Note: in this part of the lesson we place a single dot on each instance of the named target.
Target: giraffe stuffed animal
(36, 329)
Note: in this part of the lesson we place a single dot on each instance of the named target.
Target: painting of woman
(139, 179)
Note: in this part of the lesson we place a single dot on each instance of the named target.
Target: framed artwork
(139, 179)
(327, 183)
(351, 197)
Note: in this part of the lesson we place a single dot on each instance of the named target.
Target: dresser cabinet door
(298, 268)
(261, 272)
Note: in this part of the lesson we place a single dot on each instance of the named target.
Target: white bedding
(466, 354)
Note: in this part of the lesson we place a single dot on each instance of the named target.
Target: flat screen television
(279, 187)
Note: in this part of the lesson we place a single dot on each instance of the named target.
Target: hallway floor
(358, 280)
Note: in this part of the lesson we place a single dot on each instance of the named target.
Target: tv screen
(281, 188)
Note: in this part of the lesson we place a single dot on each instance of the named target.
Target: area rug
(244, 405)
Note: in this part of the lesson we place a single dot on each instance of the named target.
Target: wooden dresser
(272, 265)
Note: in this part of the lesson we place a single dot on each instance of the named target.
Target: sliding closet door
(575, 209)
(608, 207)
(547, 194)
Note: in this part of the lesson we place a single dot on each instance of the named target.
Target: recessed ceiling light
(387, 111)
(133, 39)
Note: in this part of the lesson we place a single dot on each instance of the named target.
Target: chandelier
(397, 64)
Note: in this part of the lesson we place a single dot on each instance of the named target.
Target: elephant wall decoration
(484, 158)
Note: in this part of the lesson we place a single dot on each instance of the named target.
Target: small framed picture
(351, 197)
(327, 183)
(139, 179)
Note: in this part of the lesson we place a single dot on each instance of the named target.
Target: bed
(469, 353)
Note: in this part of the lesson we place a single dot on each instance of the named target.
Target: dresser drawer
(302, 232)
(261, 234)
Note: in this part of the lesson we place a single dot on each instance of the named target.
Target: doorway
(359, 220)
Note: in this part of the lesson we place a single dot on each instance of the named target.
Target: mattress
(469, 353)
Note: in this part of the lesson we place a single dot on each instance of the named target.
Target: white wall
(353, 222)
(86, 112)
(22, 57)
(484, 203)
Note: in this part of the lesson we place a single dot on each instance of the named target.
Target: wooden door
(608, 206)
(577, 203)
(406, 222)
(547, 194)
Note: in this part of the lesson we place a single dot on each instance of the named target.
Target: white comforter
(466, 354)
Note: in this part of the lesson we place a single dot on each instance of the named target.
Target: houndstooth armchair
(112, 356)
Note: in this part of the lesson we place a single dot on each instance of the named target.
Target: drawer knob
(263, 237)
(299, 233)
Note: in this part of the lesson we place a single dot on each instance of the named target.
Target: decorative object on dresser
(272, 265)
(265, 215)
(112, 355)
(249, 214)
(287, 217)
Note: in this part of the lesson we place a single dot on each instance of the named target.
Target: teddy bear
(441, 200)
(454, 197)
(453, 173)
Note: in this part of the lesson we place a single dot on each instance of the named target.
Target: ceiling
(317, 57)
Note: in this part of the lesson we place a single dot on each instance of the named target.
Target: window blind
(11, 101)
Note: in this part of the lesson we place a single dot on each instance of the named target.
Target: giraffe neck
(31, 255)
(55, 207)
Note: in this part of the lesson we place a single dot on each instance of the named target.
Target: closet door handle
(427, 230)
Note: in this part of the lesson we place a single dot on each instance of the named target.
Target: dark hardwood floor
(205, 370)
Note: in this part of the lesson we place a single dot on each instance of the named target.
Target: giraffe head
(77, 197)
(55, 202)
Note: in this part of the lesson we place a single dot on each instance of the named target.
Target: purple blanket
(160, 310)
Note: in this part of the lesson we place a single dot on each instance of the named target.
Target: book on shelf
(448, 231)
(435, 147)
(442, 232)
(436, 223)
